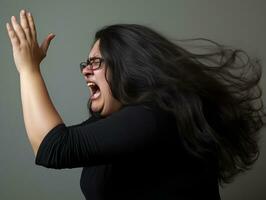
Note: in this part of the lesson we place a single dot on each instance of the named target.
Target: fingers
(12, 36)
(23, 32)
(32, 26)
(18, 29)
(25, 25)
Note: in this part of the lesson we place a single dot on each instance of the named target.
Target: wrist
(29, 71)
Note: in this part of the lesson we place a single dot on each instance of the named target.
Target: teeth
(90, 84)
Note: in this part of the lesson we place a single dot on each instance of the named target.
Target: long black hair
(217, 111)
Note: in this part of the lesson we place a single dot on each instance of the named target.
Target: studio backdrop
(238, 23)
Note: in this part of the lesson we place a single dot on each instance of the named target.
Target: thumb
(45, 44)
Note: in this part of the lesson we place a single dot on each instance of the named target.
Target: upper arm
(125, 132)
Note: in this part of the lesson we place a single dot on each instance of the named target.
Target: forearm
(39, 113)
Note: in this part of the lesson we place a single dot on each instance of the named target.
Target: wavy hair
(218, 112)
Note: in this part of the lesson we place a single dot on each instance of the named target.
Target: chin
(96, 108)
(93, 107)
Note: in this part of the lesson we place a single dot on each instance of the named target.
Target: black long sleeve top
(134, 153)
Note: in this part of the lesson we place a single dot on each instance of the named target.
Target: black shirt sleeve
(123, 133)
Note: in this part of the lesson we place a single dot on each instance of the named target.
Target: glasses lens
(96, 62)
(93, 63)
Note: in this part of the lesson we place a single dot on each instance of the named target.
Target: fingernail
(13, 18)
(51, 36)
(22, 12)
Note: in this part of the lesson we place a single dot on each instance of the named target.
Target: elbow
(47, 163)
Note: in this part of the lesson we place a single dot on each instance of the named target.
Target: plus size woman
(165, 123)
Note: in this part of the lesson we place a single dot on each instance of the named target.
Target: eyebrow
(93, 58)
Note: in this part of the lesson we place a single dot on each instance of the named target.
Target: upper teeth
(90, 84)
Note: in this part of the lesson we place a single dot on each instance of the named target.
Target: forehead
(95, 51)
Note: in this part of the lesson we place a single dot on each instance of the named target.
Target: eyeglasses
(92, 63)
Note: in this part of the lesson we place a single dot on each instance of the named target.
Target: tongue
(96, 94)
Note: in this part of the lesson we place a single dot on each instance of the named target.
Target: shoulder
(143, 113)
(139, 115)
(134, 113)
(138, 110)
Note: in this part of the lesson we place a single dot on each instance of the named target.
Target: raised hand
(26, 51)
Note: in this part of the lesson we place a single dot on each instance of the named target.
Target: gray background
(239, 23)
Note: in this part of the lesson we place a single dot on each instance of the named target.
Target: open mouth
(94, 89)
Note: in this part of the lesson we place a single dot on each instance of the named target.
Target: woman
(165, 123)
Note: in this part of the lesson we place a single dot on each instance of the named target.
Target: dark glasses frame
(93, 63)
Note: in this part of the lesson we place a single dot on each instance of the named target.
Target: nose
(87, 71)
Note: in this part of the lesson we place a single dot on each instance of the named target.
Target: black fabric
(134, 153)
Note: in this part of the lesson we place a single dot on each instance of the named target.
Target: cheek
(105, 89)
(106, 92)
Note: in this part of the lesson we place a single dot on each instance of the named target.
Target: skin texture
(106, 103)
(39, 113)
